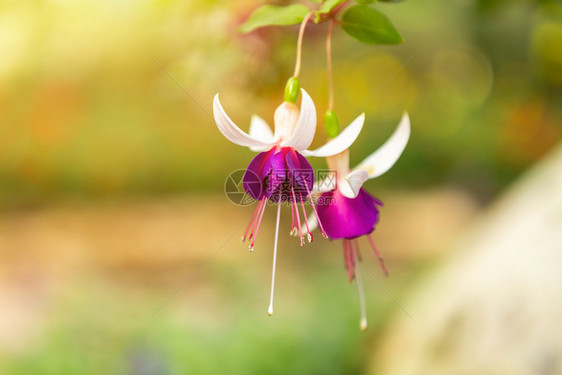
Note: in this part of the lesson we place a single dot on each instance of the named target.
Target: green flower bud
(292, 90)
(332, 124)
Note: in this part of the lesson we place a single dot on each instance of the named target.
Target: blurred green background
(111, 176)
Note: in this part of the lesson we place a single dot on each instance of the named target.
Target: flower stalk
(331, 122)
(299, 45)
(329, 66)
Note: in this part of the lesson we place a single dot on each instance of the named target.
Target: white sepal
(351, 184)
(232, 132)
(304, 131)
(384, 158)
(340, 143)
(260, 130)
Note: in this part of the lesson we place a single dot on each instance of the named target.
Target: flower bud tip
(292, 90)
(331, 124)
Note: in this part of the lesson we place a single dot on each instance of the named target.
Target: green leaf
(328, 5)
(366, 1)
(269, 15)
(369, 26)
(390, 1)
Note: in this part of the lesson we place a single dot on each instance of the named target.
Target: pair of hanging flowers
(280, 173)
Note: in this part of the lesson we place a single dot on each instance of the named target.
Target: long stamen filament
(363, 322)
(254, 235)
(299, 45)
(270, 309)
(251, 223)
(292, 219)
(316, 213)
(379, 257)
(348, 262)
(308, 234)
(258, 211)
(297, 215)
(357, 251)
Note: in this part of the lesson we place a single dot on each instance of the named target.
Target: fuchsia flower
(346, 210)
(350, 211)
(280, 173)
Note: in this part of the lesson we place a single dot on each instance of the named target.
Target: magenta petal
(284, 175)
(375, 200)
(256, 172)
(301, 172)
(344, 217)
(277, 174)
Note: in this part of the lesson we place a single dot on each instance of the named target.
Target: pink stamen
(316, 213)
(309, 235)
(347, 250)
(380, 258)
(251, 223)
(292, 219)
(297, 215)
(356, 245)
(352, 254)
(253, 236)
(259, 208)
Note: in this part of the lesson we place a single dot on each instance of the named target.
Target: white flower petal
(349, 187)
(384, 158)
(306, 126)
(342, 142)
(285, 119)
(260, 130)
(232, 132)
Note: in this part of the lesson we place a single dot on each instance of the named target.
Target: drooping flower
(348, 211)
(280, 173)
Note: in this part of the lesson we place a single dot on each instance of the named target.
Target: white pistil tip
(294, 231)
(363, 324)
(302, 241)
(251, 249)
(309, 237)
(270, 310)
(324, 235)
(243, 239)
